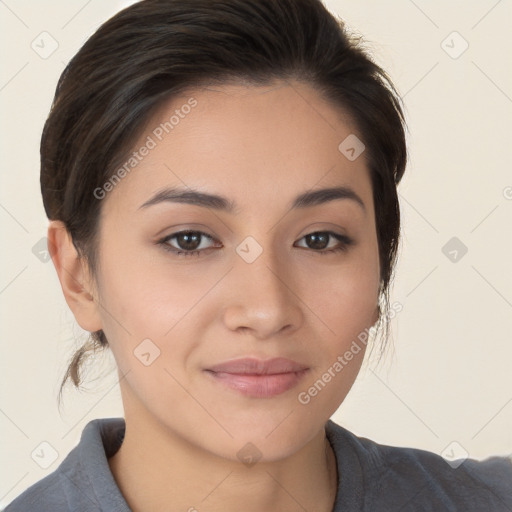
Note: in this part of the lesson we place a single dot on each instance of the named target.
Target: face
(223, 313)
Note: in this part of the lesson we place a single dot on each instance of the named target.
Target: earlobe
(74, 277)
(376, 315)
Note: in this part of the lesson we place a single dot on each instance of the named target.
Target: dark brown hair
(156, 49)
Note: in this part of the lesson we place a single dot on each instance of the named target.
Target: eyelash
(345, 243)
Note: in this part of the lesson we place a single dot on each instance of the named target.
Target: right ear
(74, 276)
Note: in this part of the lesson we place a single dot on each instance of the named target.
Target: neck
(159, 471)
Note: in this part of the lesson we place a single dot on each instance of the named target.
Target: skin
(259, 147)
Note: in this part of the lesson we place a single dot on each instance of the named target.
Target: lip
(259, 378)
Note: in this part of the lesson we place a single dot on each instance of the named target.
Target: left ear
(74, 276)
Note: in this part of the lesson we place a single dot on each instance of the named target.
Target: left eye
(320, 241)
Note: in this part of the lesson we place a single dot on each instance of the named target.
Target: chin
(273, 438)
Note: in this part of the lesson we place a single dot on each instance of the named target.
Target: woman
(220, 179)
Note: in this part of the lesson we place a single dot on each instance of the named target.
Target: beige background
(448, 377)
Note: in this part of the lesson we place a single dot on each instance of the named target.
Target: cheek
(143, 298)
(347, 311)
(146, 295)
(345, 298)
(344, 302)
(345, 308)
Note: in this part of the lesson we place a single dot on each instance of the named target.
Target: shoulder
(44, 495)
(82, 480)
(56, 491)
(421, 480)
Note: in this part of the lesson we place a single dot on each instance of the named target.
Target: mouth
(259, 378)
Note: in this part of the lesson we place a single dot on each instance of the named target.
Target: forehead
(255, 145)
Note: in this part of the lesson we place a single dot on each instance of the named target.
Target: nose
(262, 300)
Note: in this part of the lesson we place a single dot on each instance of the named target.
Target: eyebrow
(216, 202)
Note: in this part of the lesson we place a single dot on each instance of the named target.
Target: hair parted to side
(156, 49)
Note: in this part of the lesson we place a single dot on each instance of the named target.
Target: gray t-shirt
(371, 477)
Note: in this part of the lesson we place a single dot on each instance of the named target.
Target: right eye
(187, 243)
